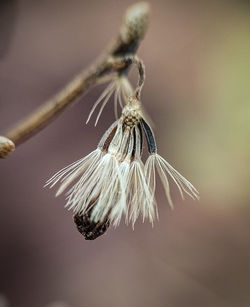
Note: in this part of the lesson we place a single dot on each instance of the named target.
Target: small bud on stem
(6, 146)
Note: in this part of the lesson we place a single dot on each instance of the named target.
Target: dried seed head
(135, 22)
(6, 146)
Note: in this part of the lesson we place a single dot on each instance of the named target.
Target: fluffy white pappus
(165, 170)
(139, 197)
(70, 173)
(101, 187)
(125, 164)
(122, 90)
(112, 199)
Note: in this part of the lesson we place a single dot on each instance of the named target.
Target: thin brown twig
(113, 59)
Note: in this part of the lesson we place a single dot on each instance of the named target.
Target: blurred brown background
(197, 92)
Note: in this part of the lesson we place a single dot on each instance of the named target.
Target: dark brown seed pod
(89, 229)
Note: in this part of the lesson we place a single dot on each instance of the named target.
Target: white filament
(139, 196)
(164, 169)
(122, 90)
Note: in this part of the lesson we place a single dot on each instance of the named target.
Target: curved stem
(142, 76)
(126, 62)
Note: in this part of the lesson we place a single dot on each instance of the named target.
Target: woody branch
(114, 59)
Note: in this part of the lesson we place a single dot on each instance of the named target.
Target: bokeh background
(197, 57)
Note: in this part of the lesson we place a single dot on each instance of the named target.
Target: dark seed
(89, 229)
